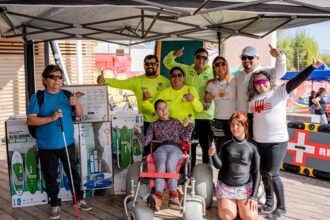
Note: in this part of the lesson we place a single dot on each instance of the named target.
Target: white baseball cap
(250, 51)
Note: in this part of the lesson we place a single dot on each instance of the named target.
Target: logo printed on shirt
(205, 78)
(159, 86)
(260, 105)
(222, 93)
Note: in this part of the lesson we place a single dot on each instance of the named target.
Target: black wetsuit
(238, 162)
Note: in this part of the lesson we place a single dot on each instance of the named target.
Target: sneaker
(265, 209)
(55, 212)
(276, 214)
(154, 202)
(83, 205)
(174, 203)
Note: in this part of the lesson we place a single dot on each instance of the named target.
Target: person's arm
(34, 119)
(196, 103)
(128, 84)
(185, 132)
(316, 101)
(145, 140)
(78, 110)
(255, 173)
(217, 161)
(280, 63)
(302, 76)
(169, 61)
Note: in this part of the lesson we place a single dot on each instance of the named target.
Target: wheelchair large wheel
(133, 172)
(139, 212)
(193, 210)
(203, 175)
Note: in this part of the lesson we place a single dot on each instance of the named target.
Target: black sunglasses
(176, 75)
(150, 64)
(220, 64)
(54, 77)
(247, 57)
(200, 57)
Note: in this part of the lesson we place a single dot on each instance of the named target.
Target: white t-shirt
(269, 116)
(224, 93)
(243, 80)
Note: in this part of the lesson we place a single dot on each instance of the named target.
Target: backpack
(40, 99)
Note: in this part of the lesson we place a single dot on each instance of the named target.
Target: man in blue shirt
(51, 147)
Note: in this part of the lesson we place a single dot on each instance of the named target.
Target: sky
(319, 32)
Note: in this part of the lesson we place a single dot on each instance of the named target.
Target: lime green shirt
(179, 108)
(136, 84)
(192, 78)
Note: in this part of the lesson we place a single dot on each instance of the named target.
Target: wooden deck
(307, 198)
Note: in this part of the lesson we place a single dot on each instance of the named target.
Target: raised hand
(137, 129)
(73, 99)
(187, 120)
(179, 52)
(273, 51)
(100, 78)
(145, 94)
(211, 150)
(317, 63)
(189, 97)
(208, 97)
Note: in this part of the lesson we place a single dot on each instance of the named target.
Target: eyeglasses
(54, 77)
(247, 57)
(162, 109)
(176, 75)
(150, 64)
(200, 57)
(220, 64)
(260, 82)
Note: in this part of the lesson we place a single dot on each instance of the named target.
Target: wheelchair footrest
(159, 175)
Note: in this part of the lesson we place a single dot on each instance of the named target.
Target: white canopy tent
(138, 21)
(131, 22)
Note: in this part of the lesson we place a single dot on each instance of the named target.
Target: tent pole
(219, 43)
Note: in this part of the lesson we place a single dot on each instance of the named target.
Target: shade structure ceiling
(132, 22)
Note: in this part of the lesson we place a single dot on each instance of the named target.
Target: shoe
(265, 208)
(83, 205)
(276, 214)
(155, 201)
(55, 212)
(174, 202)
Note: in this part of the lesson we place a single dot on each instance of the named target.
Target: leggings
(167, 157)
(271, 157)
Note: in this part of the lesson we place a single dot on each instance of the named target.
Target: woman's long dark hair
(251, 91)
(321, 89)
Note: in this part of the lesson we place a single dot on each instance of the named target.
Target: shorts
(224, 191)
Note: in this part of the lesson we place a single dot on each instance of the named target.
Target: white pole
(79, 61)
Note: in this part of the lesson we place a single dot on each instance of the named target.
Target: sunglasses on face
(151, 64)
(247, 57)
(177, 75)
(54, 77)
(200, 57)
(220, 64)
(260, 82)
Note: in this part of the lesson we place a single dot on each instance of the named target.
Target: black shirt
(238, 161)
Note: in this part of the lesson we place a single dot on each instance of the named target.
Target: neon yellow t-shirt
(179, 107)
(136, 84)
(192, 78)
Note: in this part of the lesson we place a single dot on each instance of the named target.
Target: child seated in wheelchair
(171, 132)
